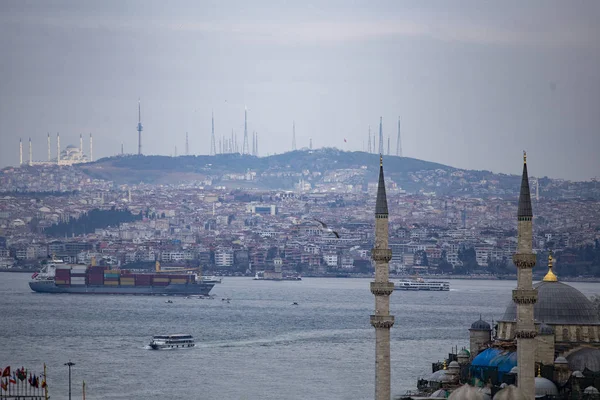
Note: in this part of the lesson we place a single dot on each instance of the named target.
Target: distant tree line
(48, 193)
(92, 220)
(579, 261)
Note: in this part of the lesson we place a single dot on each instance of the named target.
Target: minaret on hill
(382, 288)
(525, 296)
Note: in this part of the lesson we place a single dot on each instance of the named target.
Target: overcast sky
(474, 82)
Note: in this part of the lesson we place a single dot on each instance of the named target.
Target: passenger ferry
(177, 341)
(421, 284)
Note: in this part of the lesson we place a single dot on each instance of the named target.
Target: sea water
(259, 345)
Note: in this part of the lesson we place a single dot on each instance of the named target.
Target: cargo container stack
(160, 280)
(143, 280)
(127, 278)
(78, 275)
(95, 276)
(111, 277)
(62, 275)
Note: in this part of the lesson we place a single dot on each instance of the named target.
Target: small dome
(591, 390)
(438, 376)
(465, 392)
(584, 358)
(514, 370)
(544, 387)
(546, 330)
(510, 392)
(480, 325)
(577, 374)
(560, 360)
(464, 353)
(439, 394)
(453, 364)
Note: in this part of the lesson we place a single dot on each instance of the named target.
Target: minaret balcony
(524, 260)
(525, 296)
(382, 321)
(379, 255)
(382, 288)
(525, 334)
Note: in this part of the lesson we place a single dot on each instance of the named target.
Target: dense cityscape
(449, 222)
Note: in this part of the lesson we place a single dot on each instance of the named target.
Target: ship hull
(173, 290)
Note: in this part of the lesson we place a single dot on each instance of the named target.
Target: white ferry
(420, 284)
(177, 341)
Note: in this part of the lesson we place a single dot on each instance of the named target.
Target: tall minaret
(49, 156)
(382, 288)
(380, 135)
(525, 296)
(91, 148)
(399, 141)
(139, 128)
(294, 136)
(57, 148)
(213, 149)
(20, 152)
(30, 152)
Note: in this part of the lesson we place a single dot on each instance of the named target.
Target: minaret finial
(539, 375)
(524, 157)
(550, 276)
(381, 160)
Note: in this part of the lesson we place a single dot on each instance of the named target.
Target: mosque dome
(480, 325)
(72, 146)
(453, 364)
(591, 390)
(558, 304)
(560, 360)
(544, 387)
(514, 370)
(546, 329)
(439, 394)
(438, 376)
(584, 358)
(463, 353)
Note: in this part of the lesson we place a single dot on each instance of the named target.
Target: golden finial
(381, 160)
(445, 365)
(524, 157)
(550, 277)
(539, 371)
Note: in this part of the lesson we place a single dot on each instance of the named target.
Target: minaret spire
(382, 288)
(525, 296)
(57, 148)
(369, 145)
(49, 156)
(380, 135)
(399, 141)
(294, 136)
(30, 153)
(91, 148)
(20, 152)
(245, 146)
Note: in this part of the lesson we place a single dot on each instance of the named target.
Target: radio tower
(49, 146)
(30, 152)
(187, 145)
(294, 136)
(380, 135)
(91, 148)
(369, 139)
(213, 149)
(139, 128)
(388, 153)
(246, 148)
(57, 148)
(254, 143)
(20, 152)
(398, 141)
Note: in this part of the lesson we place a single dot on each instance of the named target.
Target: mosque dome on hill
(480, 325)
(558, 304)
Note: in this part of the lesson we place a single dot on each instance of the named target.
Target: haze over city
(473, 84)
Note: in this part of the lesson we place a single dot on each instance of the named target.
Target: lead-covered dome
(558, 304)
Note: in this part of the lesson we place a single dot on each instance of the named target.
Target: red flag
(12, 379)
(6, 372)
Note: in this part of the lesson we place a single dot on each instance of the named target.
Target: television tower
(382, 288)
(187, 145)
(49, 156)
(388, 153)
(254, 143)
(245, 147)
(294, 136)
(139, 128)
(213, 149)
(20, 152)
(380, 135)
(30, 152)
(57, 148)
(91, 148)
(398, 141)
(369, 139)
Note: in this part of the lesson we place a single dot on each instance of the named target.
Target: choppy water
(258, 346)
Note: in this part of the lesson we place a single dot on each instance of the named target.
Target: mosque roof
(503, 360)
(558, 304)
(480, 325)
(544, 387)
(585, 358)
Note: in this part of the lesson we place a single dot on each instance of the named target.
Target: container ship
(57, 277)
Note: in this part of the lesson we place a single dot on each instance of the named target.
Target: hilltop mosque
(550, 328)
